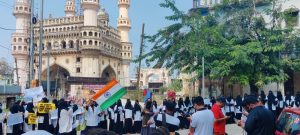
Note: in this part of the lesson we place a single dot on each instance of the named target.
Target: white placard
(54, 114)
(14, 119)
(34, 94)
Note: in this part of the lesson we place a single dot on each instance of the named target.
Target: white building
(84, 49)
(154, 78)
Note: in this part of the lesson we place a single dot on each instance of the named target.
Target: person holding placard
(16, 128)
(29, 116)
(43, 119)
(54, 119)
(92, 115)
(66, 118)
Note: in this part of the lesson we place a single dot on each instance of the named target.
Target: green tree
(236, 41)
(5, 68)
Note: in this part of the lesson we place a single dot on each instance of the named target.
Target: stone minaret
(20, 40)
(90, 10)
(90, 39)
(124, 25)
(70, 8)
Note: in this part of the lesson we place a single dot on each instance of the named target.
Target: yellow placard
(32, 118)
(45, 107)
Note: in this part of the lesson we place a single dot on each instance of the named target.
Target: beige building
(84, 49)
(154, 78)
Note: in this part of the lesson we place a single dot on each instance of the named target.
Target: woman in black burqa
(181, 114)
(238, 106)
(272, 102)
(44, 118)
(280, 104)
(111, 117)
(297, 99)
(29, 109)
(119, 117)
(137, 112)
(128, 117)
(16, 129)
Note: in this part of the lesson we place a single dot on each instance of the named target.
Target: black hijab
(288, 96)
(239, 101)
(128, 105)
(187, 101)
(271, 97)
(262, 95)
(154, 104)
(180, 102)
(14, 108)
(279, 96)
(137, 106)
(30, 107)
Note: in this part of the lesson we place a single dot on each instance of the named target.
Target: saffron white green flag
(109, 94)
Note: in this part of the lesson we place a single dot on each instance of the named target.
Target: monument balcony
(124, 2)
(124, 23)
(90, 4)
(58, 51)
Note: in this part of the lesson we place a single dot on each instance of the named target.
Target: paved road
(232, 129)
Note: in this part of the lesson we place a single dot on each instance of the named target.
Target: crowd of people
(200, 116)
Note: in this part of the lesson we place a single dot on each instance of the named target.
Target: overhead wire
(5, 47)
(5, 4)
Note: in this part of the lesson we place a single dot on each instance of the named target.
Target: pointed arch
(108, 73)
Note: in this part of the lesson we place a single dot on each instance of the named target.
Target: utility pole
(203, 79)
(41, 42)
(17, 73)
(48, 73)
(31, 56)
(56, 82)
(140, 61)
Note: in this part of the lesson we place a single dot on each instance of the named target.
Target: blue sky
(141, 11)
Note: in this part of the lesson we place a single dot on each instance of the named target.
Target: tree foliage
(235, 39)
(5, 69)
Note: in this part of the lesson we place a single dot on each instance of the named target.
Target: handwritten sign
(45, 107)
(32, 118)
(14, 119)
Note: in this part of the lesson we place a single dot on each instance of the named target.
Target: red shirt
(219, 127)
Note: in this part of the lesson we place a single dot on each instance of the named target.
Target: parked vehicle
(288, 122)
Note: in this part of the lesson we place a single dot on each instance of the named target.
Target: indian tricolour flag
(109, 94)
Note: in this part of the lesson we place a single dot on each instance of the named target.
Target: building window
(77, 70)
(78, 59)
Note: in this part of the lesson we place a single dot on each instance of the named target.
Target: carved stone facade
(83, 49)
(151, 77)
